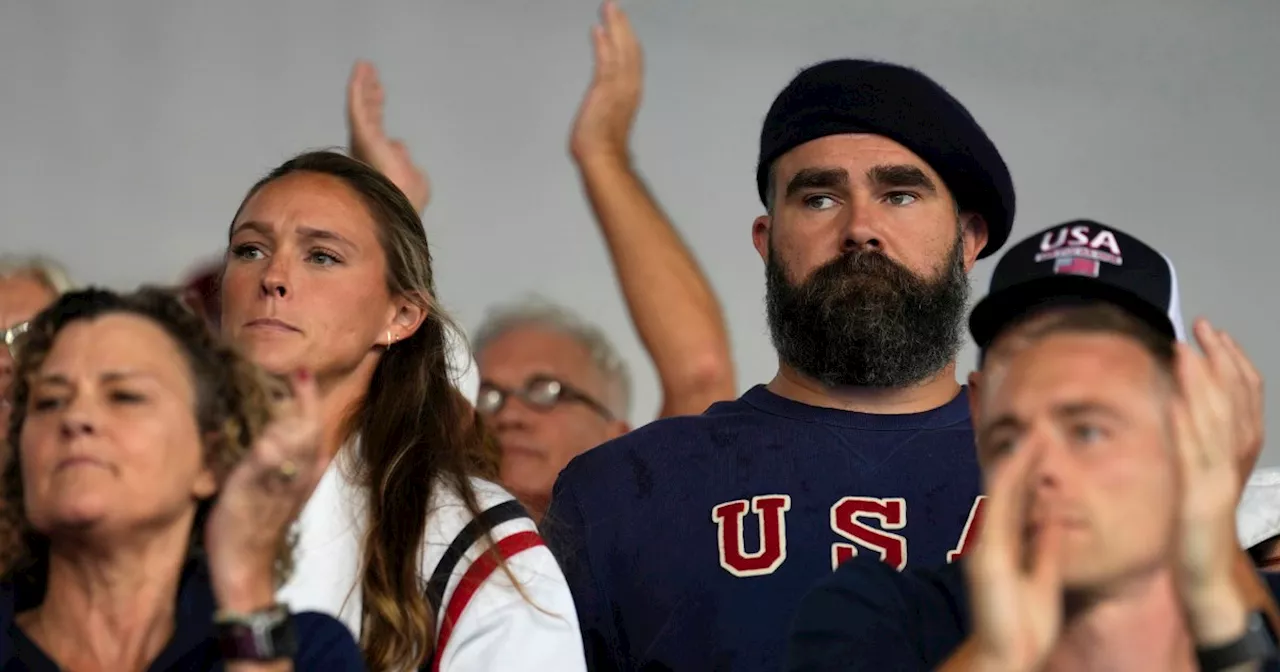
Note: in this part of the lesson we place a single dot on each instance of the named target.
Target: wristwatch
(266, 634)
(1258, 643)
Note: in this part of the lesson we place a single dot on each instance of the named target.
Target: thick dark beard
(863, 320)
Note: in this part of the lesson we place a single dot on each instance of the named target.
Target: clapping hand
(1015, 584)
(261, 498)
(603, 125)
(369, 141)
(1216, 419)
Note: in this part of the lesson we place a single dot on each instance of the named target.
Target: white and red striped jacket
(482, 622)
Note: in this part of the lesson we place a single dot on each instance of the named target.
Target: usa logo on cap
(1076, 266)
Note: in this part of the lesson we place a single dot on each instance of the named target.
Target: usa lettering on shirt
(851, 524)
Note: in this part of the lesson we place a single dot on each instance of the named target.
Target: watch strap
(1256, 644)
(266, 634)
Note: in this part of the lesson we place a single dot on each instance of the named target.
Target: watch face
(240, 642)
(263, 635)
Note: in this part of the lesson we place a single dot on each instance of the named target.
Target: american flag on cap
(1076, 266)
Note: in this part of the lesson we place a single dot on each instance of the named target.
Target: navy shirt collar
(192, 646)
(952, 413)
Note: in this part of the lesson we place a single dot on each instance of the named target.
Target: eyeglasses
(540, 392)
(11, 337)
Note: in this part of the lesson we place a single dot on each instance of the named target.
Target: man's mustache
(855, 263)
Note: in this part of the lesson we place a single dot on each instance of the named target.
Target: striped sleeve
(483, 620)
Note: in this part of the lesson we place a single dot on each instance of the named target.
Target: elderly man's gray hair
(46, 271)
(537, 311)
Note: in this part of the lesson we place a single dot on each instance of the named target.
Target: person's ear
(975, 386)
(974, 232)
(760, 236)
(408, 314)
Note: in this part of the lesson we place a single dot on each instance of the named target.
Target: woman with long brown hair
(406, 538)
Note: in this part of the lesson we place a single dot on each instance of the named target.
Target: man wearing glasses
(552, 387)
(27, 286)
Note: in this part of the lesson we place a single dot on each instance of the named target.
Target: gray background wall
(129, 131)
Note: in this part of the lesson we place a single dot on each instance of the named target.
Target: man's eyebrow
(1002, 422)
(1082, 408)
(817, 178)
(901, 175)
(1070, 411)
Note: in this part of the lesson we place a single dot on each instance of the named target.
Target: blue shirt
(869, 617)
(323, 642)
(689, 542)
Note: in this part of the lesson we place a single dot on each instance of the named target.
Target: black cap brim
(997, 310)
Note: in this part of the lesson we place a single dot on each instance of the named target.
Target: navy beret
(904, 105)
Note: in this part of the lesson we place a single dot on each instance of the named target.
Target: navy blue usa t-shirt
(689, 542)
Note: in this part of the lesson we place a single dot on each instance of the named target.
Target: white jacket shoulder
(487, 622)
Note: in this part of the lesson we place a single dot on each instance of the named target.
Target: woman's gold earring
(388, 338)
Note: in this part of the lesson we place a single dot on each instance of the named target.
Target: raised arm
(671, 303)
(368, 138)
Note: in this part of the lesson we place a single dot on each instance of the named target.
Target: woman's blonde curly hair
(233, 405)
